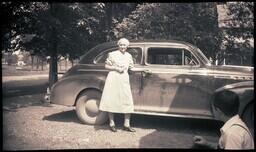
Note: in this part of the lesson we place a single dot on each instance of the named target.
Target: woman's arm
(109, 64)
(114, 68)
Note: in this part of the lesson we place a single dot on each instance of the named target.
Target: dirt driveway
(31, 124)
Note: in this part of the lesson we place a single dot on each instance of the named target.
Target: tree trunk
(32, 62)
(53, 71)
(37, 63)
(108, 20)
(42, 64)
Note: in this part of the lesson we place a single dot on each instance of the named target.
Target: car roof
(146, 41)
(110, 44)
(98, 48)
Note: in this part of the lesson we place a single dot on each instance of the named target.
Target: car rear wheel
(87, 108)
(248, 116)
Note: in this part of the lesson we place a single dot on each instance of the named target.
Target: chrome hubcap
(92, 107)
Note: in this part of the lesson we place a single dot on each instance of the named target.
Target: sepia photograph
(80, 76)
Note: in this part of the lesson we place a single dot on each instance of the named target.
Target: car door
(174, 82)
(135, 76)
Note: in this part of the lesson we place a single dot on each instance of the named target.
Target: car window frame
(172, 47)
(115, 49)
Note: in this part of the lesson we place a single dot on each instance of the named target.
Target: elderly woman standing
(117, 96)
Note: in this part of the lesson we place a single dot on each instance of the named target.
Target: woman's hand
(119, 69)
(199, 140)
(114, 68)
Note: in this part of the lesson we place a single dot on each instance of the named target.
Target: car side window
(170, 56)
(135, 52)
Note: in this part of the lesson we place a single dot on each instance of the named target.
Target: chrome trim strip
(93, 70)
(174, 115)
(92, 65)
(225, 75)
(239, 66)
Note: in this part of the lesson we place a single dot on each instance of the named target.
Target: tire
(248, 117)
(87, 108)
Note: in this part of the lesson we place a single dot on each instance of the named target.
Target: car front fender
(245, 91)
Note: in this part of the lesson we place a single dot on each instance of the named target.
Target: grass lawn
(10, 70)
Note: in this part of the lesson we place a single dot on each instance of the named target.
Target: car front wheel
(87, 108)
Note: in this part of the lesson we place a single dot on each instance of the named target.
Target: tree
(114, 13)
(57, 28)
(16, 16)
(239, 32)
(67, 29)
(174, 21)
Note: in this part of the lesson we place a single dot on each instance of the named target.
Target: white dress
(117, 96)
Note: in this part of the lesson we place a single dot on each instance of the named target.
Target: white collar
(233, 120)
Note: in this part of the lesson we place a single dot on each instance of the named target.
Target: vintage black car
(170, 78)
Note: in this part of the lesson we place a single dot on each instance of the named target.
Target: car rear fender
(94, 88)
(245, 91)
(76, 86)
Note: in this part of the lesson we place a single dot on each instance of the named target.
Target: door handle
(144, 74)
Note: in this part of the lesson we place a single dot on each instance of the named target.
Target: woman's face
(122, 47)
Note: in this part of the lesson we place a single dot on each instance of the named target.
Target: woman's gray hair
(123, 40)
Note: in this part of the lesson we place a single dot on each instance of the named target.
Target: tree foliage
(70, 29)
(239, 31)
(79, 26)
(57, 28)
(74, 25)
(192, 22)
(16, 15)
(113, 14)
(67, 29)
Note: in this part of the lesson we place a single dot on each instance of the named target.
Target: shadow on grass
(173, 140)
(24, 87)
(65, 116)
(16, 107)
(101, 127)
(119, 123)
(13, 104)
(176, 132)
